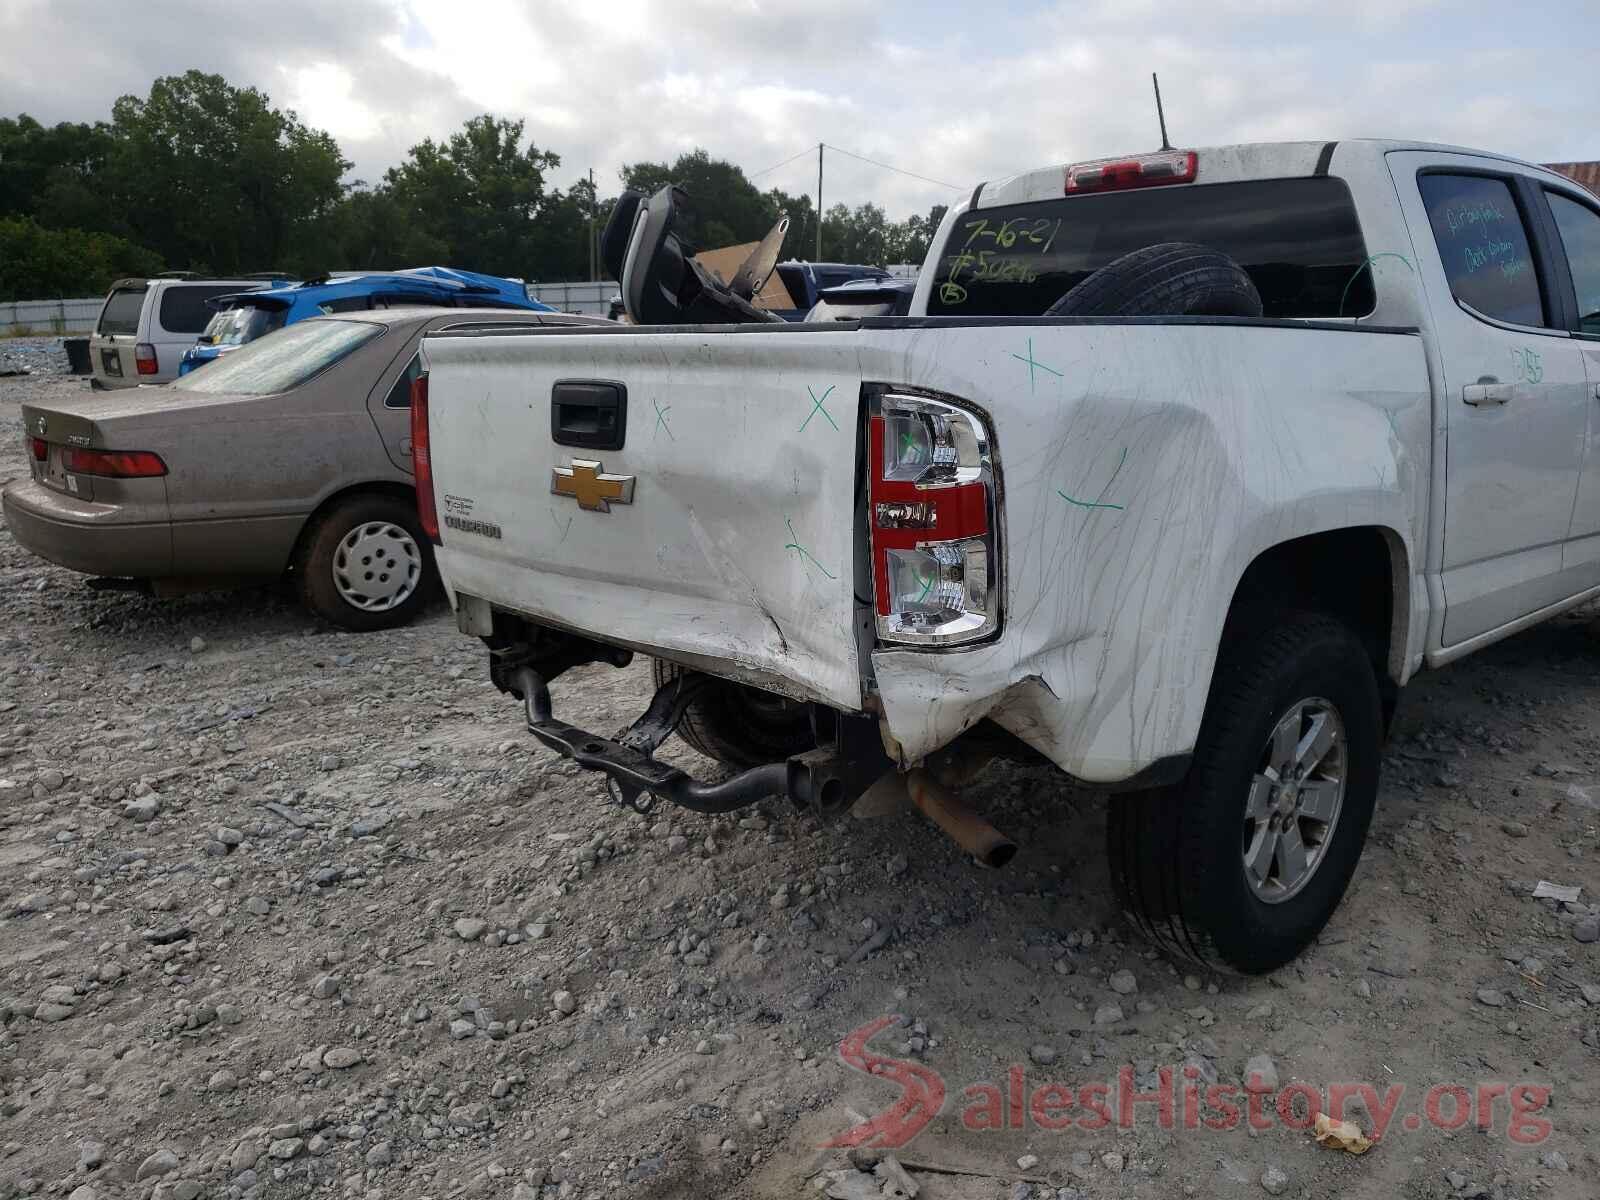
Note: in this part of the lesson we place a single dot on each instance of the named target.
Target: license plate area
(56, 475)
(111, 361)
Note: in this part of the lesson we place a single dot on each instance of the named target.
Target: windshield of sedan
(236, 326)
(285, 360)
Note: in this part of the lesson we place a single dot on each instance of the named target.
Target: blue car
(242, 317)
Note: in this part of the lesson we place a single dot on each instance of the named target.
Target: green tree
(480, 194)
(213, 174)
(46, 264)
(369, 230)
(859, 236)
(916, 234)
(57, 174)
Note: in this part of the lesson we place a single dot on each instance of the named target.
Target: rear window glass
(345, 304)
(121, 313)
(1483, 245)
(285, 360)
(1298, 239)
(236, 326)
(411, 300)
(184, 308)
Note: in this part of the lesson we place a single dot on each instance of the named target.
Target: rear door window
(285, 360)
(1483, 245)
(1579, 227)
(184, 308)
(1299, 240)
(121, 313)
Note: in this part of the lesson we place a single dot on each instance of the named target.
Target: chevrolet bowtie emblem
(593, 488)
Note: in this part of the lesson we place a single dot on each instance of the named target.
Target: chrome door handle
(1486, 392)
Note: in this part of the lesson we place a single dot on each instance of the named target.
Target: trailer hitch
(818, 779)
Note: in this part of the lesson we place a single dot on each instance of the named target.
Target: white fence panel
(592, 297)
(45, 317)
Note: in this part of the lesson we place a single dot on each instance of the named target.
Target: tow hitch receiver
(819, 779)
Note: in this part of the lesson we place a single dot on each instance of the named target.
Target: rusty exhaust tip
(964, 827)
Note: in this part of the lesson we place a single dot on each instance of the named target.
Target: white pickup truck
(1073, 505)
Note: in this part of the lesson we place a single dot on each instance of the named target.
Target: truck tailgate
(737, 549)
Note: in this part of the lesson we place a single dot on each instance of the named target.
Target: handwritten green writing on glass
(1485, 224)
(1468, 214)
(995, 251)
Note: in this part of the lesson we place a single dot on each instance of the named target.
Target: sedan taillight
(114, 464)
(934, 562)
(41, 449)
(421, 461)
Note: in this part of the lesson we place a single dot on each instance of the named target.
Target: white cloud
(323, 94)
(946, 91)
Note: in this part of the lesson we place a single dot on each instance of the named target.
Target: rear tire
(365, 564)
(738, 725)
(1196, 866)
(1169, 279)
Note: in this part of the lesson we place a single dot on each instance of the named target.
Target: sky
(955, 93)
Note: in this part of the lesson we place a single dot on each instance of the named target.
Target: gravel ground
(291, 912)
(38, 356)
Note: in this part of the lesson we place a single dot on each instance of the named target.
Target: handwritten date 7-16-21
(1003, 260)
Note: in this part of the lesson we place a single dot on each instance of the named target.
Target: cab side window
(1483, 244)
(1579, 227)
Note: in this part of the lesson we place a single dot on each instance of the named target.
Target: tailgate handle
(591, 414)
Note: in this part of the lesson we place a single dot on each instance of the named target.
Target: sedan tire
(365, 563)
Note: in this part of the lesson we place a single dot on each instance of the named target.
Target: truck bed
(1138, 461)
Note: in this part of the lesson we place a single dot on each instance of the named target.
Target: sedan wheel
(364, 564)
(377, 567)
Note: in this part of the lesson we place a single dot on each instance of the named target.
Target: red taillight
(934, 560)
(421, 463)
(144, 357)
(115, 464)
(41, 449)
(1144, 170)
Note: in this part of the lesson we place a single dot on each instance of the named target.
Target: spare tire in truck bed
(1169, 279)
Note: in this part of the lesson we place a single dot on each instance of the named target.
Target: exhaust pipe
(965, 827)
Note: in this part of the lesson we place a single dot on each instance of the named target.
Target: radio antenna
(1160, 116)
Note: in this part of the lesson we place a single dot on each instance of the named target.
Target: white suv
(145, 326)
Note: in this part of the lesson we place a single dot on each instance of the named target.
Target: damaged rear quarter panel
(1142, 468)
